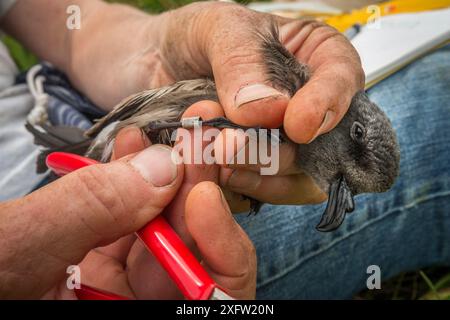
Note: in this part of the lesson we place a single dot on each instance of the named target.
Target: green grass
(154, 6)
(22, 57)
(431, 283)
(164, 5)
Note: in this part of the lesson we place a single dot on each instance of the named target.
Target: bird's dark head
(360, 155)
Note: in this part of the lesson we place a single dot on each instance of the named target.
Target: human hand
(228, 36)
(202, 221)
(58, 225)
(242, 180)
(201, 217)
(126, 51)
(220, 40)
(223, 41)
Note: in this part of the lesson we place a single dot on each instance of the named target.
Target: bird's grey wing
(56, 138)
(144, 102)
(283, 70)
(165, 104)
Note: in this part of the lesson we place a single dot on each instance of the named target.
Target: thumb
(239, 68)
(57, 225)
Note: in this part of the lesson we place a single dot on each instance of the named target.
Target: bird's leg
(197, 122)
(220, 123)
(224, 123)
(194, 122)
(255, 205)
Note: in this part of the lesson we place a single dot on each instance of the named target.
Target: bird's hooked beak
(340, 201)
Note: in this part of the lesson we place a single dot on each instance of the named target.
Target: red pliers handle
(159, 238)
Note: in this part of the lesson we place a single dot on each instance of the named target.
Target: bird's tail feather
(57, 138)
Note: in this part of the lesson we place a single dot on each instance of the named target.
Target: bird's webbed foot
(255, 205)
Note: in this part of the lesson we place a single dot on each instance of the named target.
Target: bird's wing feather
(165, 104)
(148, 100)
(57, 138)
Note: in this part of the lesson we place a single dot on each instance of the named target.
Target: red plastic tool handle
(63, 163)
(89, 293)
(181, 265)
(158, 236)
(174, 256)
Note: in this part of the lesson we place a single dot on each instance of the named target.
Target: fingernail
(155, 165)
(134, 130)
(326, 123)
(145, 139)
(244, 180)
(254, 92)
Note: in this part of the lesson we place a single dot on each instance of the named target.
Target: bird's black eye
(358, 132)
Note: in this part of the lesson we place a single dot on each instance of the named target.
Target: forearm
(41, 26)
(108, 34)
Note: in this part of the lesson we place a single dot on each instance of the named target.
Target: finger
(195, 172)
(336, 76)
(206, 109)
(118, 250)
(129, 140)
(107, 273)
(291, 189)
(243, 85)
(143, 265)
(88, 208)
(227, 252)
(238, 150)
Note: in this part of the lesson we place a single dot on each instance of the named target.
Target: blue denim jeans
(404, 229)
